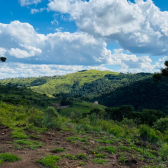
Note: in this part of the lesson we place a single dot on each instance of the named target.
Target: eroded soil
(58, 139)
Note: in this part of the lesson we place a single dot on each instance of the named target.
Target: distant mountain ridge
(111, 89)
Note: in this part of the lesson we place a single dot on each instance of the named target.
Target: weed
(57, 150)
(163, 152)
(99, 161)
(124, 148)
(100, 155)
(73, 139)
(122, 160)
(81, 163)
(19, 134)
(70, 157)
(81, 157)
(109, 149)
(7, 157)
(49, 161)
(105, 141)
(29, 143)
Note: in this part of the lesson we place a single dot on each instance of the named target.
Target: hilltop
(57, 84)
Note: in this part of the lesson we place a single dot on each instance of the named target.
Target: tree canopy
(2, 59)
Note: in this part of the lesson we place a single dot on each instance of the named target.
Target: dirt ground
(57, 140)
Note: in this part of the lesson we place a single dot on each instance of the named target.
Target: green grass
(81, 163)
(105, 141)
(58, 150)
(122, 160)
(124, 148)
(19, 134)
(29, 143)
(7, 157)
(69, 156)
(59, 84)
(100, 155)
(109, 149)
(73, 139)
(49, 161)
(81, 156)
(99, 161)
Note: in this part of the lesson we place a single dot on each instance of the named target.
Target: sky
(56, 37)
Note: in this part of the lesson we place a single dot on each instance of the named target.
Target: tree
(2, 59)
(164, 71)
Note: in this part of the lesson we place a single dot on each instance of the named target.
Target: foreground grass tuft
(29, 143)
(99, 161)
(19, 134)
(57, 150)
(49, 161)
(70, 157)
(7, 157)
(109, 149)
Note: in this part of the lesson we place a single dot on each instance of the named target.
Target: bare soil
(58, 140)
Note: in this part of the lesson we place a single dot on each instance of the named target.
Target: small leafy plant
(49, 161)
(7, 157)
(57, 150)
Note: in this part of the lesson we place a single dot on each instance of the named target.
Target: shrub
(163, 152)
(161, 124)
(51, 118)
(116, 130)
(148, 134)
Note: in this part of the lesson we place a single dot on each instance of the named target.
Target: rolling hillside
(57, 84)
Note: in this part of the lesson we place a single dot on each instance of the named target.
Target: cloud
(19, 42)
(22, 43)
(2, 51)
(29, 2)
(139, 27)
(13, 70)
(33, 11)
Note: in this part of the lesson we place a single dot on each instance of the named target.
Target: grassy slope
(82, 107)
(64, 83)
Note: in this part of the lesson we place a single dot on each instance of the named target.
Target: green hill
(57, 84)
(109, 88)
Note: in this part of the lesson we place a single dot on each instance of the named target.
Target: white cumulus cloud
(139, 27)
(29, 2)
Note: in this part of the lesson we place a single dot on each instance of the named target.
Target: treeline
(146, 116)
(105, 85)
(23, 96)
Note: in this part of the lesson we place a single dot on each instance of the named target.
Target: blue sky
(56, 37)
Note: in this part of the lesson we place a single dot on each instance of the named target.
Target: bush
(148, 134)
(163, 152)
(51, 120)
(116, 130)
(161, 124)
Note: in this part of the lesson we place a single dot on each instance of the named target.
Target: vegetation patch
(99, 161)
(70, 157)
(29, 143)
(81, 157)
(19, 134)
(109, 149)
(7, 157)
(49, 161)
(58, 150)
